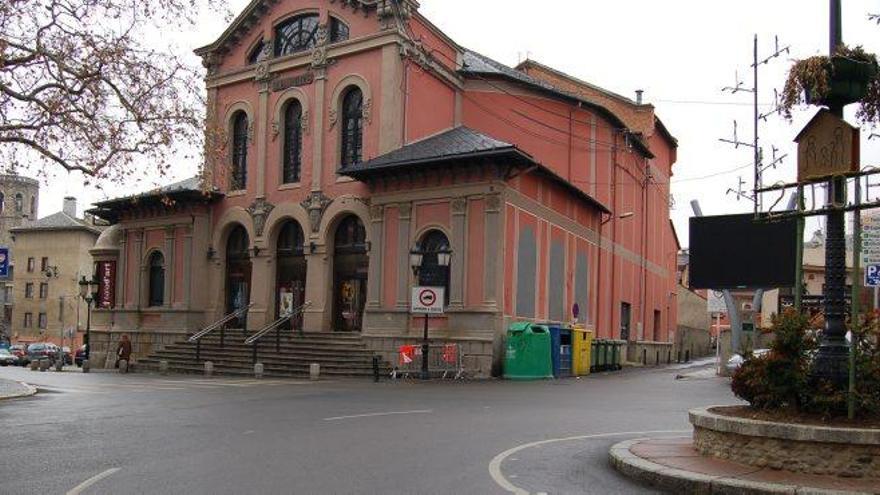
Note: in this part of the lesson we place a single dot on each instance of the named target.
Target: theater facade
(344, 134)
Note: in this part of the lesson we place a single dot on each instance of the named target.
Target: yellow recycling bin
(581, 342)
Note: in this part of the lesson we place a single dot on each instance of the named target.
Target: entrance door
(350, 266)
(625, 320)
(238, 274)
(291, 273)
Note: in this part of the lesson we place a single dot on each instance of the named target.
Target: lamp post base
(832, 363)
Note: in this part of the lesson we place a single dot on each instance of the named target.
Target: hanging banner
(106, 284)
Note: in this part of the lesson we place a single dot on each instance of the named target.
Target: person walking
(123, 351)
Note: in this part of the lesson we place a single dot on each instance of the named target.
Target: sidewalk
(673, 464)
(11, 389)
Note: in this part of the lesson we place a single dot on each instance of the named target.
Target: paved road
(153, 434)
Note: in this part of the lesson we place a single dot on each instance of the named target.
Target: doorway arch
(238, 273)
(290, 271)
(350, 267)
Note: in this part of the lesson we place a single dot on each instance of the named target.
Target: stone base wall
(851, 461)
(143, 343)
(650, 353)
(477, 355)
(692, 343)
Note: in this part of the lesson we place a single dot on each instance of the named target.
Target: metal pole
(757, 121)
(856, 300)
(425, 375)
(831, 360)
(88, 328)
(799, 254)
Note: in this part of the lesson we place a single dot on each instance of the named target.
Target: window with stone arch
(297, 34)
(238, 173)
(2, 203)
(352, 127)
(19, 203)
(431, 273)
(292, 164)
(156, 290)
(33, 206)
(254, 55)
(338, 30)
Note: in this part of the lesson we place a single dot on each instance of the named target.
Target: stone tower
(19, 203)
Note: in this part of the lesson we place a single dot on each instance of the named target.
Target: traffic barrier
(445, 359)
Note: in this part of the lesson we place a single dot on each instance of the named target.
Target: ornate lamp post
(416, 261)
(88, 291)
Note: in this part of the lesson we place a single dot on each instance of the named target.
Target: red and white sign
(427, 301)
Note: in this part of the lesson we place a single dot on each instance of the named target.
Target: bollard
(687, 356)
(123, 366)
(258, 370)
(314, 371)
(375, 368)
(35, 365)
(59, 365)
(163, 367)
(86, 366)
(209, 368)
(44, 364)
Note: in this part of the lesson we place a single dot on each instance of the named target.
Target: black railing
(276, 327)
(219, 324)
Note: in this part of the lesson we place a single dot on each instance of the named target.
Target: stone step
(269, 369)
(220, 356)
(266, 344)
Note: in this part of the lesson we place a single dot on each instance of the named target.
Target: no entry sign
(427, 300)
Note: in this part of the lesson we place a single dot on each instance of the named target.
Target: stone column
(261, 275)
(377, 238)
(262, 130)
(319, 282)
(121, 271)
(403, 247)
(459, 254)
(494, 241)
(187, 268)
(318, 136)
(138, 262)
(170, 272)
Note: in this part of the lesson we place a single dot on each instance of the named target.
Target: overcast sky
(681, 52)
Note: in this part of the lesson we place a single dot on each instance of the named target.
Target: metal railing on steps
(219, 324)
(276, 327)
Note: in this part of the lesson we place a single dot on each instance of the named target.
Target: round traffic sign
(427, 297)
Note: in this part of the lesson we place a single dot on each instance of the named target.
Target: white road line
(371, 415)
(495, 465)
(91, 481)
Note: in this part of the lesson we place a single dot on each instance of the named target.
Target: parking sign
(872, 275)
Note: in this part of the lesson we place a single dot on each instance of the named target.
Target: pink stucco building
(351, 132)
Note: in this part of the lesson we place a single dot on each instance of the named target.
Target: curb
(28, 391)
(679, 481)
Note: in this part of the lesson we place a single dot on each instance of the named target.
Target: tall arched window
(254, 55)
(19, 203)
(432, 274)
(292, 142)
(338, 30)
(352, 127)
(238, 178)
(157, 280)
(296, 35)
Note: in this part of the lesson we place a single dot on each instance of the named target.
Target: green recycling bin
(594, 355)
(527, 356)
(615, 355)
(601, 358)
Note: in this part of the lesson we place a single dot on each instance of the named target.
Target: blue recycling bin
(560, 349)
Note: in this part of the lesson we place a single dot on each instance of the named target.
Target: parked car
(7, 358)
(80, 355)
(737, 360)
(20, 351)
(41, 350)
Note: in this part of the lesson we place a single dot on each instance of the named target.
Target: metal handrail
(221, 324)
(276, 326)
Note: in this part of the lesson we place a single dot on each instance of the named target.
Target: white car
(737, 360)
(7, 358)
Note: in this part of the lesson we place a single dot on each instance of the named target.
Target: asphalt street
(118, 434)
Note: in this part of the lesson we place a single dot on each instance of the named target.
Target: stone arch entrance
(238, 273)
(350, 268)
(290, 271)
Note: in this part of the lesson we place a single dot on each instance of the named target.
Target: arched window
(432, 274)
(338, 30)
(292, 142)
(19, 203)
(254, 55)
(296, 35)
(238, 179)
(237, 244)
(157, 280)
(352, 127)
(291, 240)
(351, 236)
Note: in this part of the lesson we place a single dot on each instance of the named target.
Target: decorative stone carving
(332, 117)
(250, 131)
(304, 122)
(493, 202)
(276, 129)
(367, 111)
(262, 70)
(319, 52)
(405, 210)
(210, 62)
(315, 205)
(377, 212)
(259, 211)
(459, 206)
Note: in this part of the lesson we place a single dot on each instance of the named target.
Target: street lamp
(88, 291)
(416, 261)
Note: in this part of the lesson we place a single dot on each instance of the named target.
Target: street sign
(872, 275)
(427, 300)
(870, 238)
(715, 302)
(827, 146)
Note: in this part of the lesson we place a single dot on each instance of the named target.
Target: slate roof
(57, 221)
(187, 189)
(460, 145)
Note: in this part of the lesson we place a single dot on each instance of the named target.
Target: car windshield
(37, 347)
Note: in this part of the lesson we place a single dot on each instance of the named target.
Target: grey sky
(681, 52)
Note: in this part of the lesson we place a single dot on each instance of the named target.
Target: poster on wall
(4, 262)
(106, 284)
(285, 302)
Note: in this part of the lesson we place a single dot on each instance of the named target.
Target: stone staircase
(340, 355)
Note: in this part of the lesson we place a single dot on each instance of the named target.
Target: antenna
(735, 141)
(739, 192)
(737, 86)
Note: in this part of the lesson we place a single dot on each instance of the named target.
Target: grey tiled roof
(475, 63)
(193, 184)
(454, 143)
(57, 221)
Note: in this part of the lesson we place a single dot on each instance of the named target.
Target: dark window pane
(351, 236)
(296, 35)
(292, 142)
(255, 53)
(157, 279)
(352, 127)
(291, 240)
(238, 180)
(431, 273)
(338, 30)
(237, 244)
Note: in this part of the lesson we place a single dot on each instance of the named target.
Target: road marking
(495, 465)
(371, 415)
(91, 481)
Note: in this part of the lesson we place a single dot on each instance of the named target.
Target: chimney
(639, 93)
(69, 206)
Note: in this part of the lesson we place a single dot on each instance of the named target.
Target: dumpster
(600, 355)
(560, 349)
(617, 354)
(528, 352)
(581, 344)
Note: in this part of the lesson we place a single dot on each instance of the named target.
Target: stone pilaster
(319, 283)
(121, 273)
(187, 268)
(170, 272)
(493, 243)
(459, 258)
(318, 137)
(403, 247)
(138, 262)
(377, 238)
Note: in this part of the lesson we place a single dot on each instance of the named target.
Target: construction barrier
(445, 359)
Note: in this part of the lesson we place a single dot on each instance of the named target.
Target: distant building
(52, 255)
(19, 203)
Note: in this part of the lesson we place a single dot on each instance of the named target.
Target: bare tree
(85, 85)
